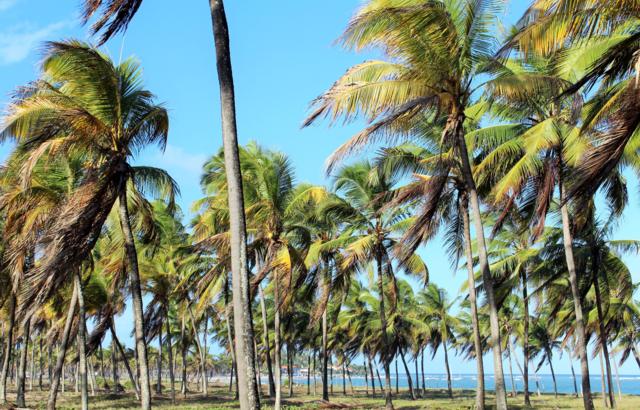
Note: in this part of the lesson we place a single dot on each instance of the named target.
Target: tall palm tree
(436, 50)
(376, 233)
(115, 17)
(76, 108)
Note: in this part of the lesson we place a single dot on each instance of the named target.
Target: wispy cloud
(177, 158)
(17, 42)
(7, 4)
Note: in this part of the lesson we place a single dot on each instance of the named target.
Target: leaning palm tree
(435, 49)
(75, 108)
(115, 16)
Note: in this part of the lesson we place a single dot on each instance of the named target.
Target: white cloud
(16, 43)
(7, 4)
(177, 157)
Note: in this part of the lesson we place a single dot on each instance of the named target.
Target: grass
(220, 399)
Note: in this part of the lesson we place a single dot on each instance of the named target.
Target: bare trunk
(373, 380)
(406, 369)
(514, 391)
(22, 365)
(267, 345)
(276, 353)
(118, 345)
(241, 293)
(41, 362)
(114, 366)
(325, 357)
(615, 369)
(183, 357)
(573, 374)
(344, 379)
(454, 125)
(602, 330)
(8, 347)
(82, 344)
(471, 281)
(309, 375)
(290, 369)
(172, 378)
(136, 300)
(446, 365)
(553, 375)
(201, 353)
(397, 377)
(581, 339)
(57, 372)
(605, 401)
(159, 365)
(424, 385)
(525, 342)
(384, 356)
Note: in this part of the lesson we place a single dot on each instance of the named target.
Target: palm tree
(75, 106)
(436, 308)
(604, 34)
(430, 72)
(115, 17)
(375, 234)
(543, 343)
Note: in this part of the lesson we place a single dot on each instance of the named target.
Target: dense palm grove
(513, 149)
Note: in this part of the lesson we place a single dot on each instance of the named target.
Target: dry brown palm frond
(71, 236)
(606, 153)
(116, 16)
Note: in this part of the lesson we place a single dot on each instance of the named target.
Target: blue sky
(283, 57)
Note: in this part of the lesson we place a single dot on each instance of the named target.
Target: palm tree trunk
(183, 356)
(471, 281)
(573, 374)
(605, 402)
(397, 378)
(454, 125)
(525, 341)
(424, 385)
(50, 362)
(384, 356)
(22, 364)
(314, 374)
(118, 345)
(415, 362)
(350, 381)
(6, 358)
(241, 292)
(325, 357)
(136, 299)
(446, 365)
(581, 338)
(379, 379)
(267, 345)
(102, 372)
(234, 362)
(373, 380)
(276, 325)
(602, 329)
(406, 369)
(514, 391)
(615, 369)
(114, 366)
(553, 375)
(344, 379)
(32, 365)
(159, 374)
(290, 369)
(172, 378)
(40, 362)
(309, 375)
(55, 384)
(201, 353)
(82, 344)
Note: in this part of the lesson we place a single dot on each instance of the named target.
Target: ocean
(629, 384)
